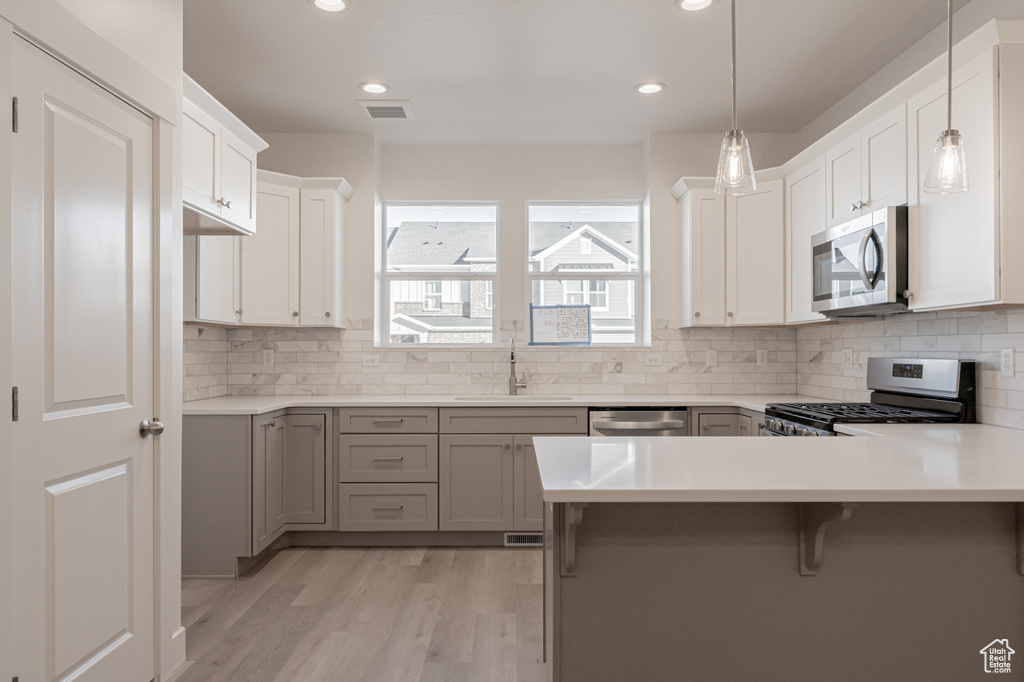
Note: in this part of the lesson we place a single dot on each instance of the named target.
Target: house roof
(544, 235)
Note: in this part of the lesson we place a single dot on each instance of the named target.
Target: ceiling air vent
(386, 109)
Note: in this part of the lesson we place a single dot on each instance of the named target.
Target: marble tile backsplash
(222, 361)
(822, 372)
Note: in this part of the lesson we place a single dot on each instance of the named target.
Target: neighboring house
(445, 311)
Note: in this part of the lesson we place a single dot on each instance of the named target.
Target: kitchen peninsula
(893, 555)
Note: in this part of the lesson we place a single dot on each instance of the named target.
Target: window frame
(439, 274)
(637, 278)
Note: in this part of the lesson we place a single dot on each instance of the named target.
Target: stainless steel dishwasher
(639, 421)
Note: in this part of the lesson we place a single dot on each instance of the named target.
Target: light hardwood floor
(370, 615)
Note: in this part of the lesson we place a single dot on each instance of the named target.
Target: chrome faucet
(513, 384)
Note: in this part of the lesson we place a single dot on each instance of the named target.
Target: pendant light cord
(949, 65)
(734, 126)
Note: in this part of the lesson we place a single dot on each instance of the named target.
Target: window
(440, 264)
(589, 254)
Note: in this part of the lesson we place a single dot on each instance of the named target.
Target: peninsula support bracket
(815, 520)
(572, 517)
(1019, 513)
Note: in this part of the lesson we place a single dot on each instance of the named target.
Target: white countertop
(887, 463)
(263, 404)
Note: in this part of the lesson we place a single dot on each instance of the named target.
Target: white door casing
(83, 350)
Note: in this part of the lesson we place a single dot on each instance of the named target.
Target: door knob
(155, 427)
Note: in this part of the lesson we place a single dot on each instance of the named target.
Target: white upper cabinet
(868, 170)
(733, 256)
(212, 287)
(218, 166)
(965, 249)
(805, 217)
(291, 269)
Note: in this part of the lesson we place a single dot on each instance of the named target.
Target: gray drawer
(532, 420)
(387, 420)
(387, 506)
(386, 458)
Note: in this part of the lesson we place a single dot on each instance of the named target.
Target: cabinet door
(268, 480)
(305, 469)
(238, 182)
(953, 238)
(883, 164)
(718, 424)
(805, 217)
(843, 178)
(755, 256)
(528, 505)
(217, 289)
(320, 259)
(475, 486)
(744, 425)
(270, 260)
(200, 157)
(704, 259)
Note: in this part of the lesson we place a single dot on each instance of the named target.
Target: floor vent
(524, 539)
(387, 109)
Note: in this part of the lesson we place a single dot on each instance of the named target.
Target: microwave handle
(872, 281)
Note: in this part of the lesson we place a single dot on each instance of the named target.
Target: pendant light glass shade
(735, 167)
(947, 173)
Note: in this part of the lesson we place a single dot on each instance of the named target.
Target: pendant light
(735, 169)
(947, 173)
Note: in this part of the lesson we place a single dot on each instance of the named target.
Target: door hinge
(14, 114)
(14, 404)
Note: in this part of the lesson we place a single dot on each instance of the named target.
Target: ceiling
(542, 71)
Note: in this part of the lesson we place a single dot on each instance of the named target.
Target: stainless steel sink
(513, 398)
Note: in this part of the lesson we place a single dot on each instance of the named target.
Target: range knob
(790, 430)
(812, 433)
(803, 432)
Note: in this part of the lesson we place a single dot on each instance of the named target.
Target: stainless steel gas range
(903, 391)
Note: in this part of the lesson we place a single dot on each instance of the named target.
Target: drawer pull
(388, 458)
(392, 420)
(388, 507)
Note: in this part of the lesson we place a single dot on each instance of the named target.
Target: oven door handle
(872, 281)
(639, 426)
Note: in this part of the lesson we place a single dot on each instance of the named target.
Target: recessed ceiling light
(374, 88)
(649, 88)
(692, 5)
(330, 5)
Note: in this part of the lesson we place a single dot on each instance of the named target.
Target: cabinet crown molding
(339, 185)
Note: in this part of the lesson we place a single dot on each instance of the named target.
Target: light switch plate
(371, 361)
(652, 360)
(762, 357)
(1006, 363)
(268, 359)
(712, 357)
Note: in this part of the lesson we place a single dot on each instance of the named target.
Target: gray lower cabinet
(248, 479)
(387, 469)
(488, 474)
(725, 421)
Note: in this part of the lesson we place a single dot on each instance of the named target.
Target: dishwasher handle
(638, 426)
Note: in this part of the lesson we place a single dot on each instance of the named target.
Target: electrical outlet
(762, 357)
(652, 360)
(371, 361)
(848, 358)
(712, 357)
(268, 359)
(1006, 363)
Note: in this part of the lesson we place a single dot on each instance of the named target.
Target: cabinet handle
(238, 312)
(226, 203)
(707, 427)
(273, 424)
(508, 446)
(519, 446)
(295, 314)
(388, 507)
(327, 314)
(392, 420)
(728, 314)
(317, 427)
(697, 314)
(853, 206)
(388, 458)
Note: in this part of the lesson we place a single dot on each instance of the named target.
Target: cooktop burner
(861, 412)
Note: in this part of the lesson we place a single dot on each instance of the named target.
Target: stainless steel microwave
(860, 267)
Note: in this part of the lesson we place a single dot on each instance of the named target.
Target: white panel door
(201, 149)
(318, 243)
(953, 238)
(270, 260)
(84, 364)
(217, 297)
(805, 217)
(238, 182)
(755, 256)
(706, 281)
(843, 178)
(883, 165)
